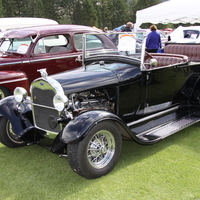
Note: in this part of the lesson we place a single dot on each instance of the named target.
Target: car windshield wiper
(7, 53)
(12, 53)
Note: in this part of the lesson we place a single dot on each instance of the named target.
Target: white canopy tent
(172, 11)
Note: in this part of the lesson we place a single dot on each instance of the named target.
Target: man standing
(128, 27)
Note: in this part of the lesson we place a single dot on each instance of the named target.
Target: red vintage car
(54, 47)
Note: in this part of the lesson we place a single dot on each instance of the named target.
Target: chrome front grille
(43, 97)
(42, 94)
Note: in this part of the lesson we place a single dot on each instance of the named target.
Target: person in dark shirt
(128, 27)
(153, 42)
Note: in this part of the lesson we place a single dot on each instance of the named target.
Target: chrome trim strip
(61, 57)
(11, 63)
(39, 105)
(194, 62)
(158, 107)
(28, 61)
(142, 67)
(152, 116)
(14, 80)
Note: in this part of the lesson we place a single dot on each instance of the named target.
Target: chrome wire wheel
(101, 149)
(98, 153)
(11, 134)
(7, 136)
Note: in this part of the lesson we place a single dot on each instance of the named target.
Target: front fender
(20, 116)
(10, 79)
(77, 129)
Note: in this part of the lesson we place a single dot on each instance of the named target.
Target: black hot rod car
(118, 93)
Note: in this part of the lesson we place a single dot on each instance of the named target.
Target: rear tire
(7, 135)
(98, 153)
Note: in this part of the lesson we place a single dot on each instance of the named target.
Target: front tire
(4, 92)
(7, 135)
(98, 153)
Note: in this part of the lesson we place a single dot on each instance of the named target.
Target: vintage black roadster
(119, 93)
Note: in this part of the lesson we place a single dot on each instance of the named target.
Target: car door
(55, 53)
(162, 85)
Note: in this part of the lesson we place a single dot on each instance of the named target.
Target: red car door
(55, 53)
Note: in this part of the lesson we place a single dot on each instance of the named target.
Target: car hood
(82, 79)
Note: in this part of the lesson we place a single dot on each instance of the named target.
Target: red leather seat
(190, 50)
(164, 59)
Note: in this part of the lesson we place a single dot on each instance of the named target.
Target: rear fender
(20, 116)
(77, 129)
(195, 95)
(191, 89)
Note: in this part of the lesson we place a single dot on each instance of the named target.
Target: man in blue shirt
(153, 42)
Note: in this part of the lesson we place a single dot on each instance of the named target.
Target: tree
(103, 13)
(113, 13)
(89, 13)
(1, 9)
(119, 10)
(42, 8)
(99, 13)
(27, 9)
(68, 9)
(9, 8)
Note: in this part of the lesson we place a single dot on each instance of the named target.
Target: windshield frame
(19, 46)
(106, 52)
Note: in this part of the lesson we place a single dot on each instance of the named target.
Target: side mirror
(153, 63)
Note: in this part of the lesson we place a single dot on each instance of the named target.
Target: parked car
(84, 114)
(190, 34)
(56, 47)
(9, 23)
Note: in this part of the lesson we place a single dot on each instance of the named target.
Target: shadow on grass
(35, 172)
(189, 138)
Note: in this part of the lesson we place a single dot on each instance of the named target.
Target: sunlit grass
(169, 169)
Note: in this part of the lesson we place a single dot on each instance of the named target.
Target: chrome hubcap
(11, 134)
(101, 149)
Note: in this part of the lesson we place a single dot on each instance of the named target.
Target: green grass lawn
(169, 169)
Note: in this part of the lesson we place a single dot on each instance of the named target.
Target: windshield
(16, 45)
(128, 44)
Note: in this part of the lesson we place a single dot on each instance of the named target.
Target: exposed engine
(95, 99)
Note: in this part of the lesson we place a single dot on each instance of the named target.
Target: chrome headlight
(20, 94)
(60, 101)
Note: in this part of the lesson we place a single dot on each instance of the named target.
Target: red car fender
(13, 79)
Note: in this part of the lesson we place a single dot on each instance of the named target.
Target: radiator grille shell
(42, 93)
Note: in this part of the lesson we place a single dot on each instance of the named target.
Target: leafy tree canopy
(99, 13)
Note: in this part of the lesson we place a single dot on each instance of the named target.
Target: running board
(163, 131)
